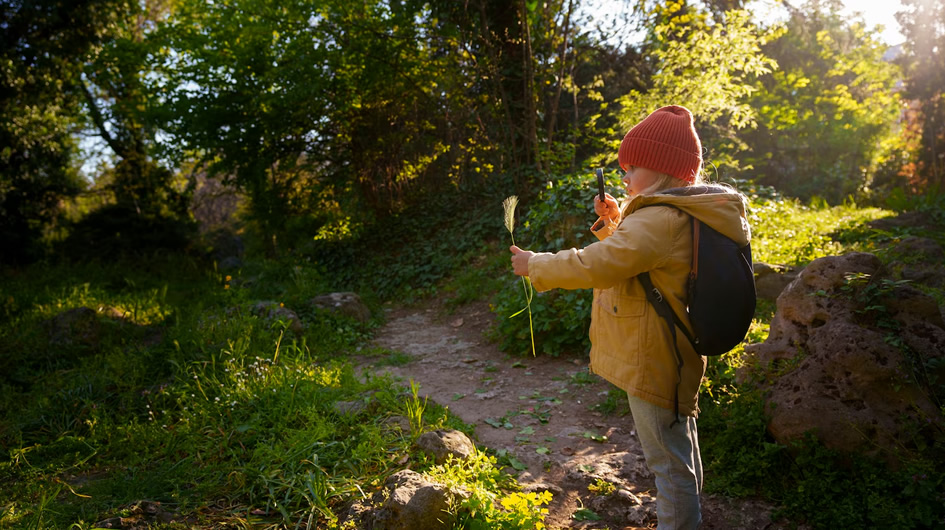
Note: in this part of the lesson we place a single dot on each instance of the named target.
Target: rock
(829, 367)
(919, 260)
(346, 303)
(396, 423)
(78, 326)
(539, 487)
(408, 501)
(444, 442)
(141, 514)
(770, 280)
(271, 312)
(230, 263)
(348, 408)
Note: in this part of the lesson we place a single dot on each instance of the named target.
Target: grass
(192, 400)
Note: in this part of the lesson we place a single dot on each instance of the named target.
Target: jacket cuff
(604, 227)
(536, 265)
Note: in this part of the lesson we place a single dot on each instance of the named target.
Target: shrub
(558, 218)
(117, 230)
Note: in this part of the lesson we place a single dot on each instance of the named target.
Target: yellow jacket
(631, 345)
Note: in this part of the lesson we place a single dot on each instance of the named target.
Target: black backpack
(720, 291)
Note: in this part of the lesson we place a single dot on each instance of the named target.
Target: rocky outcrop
(345, 303)
(410, 500)
(848, 359)
(407, 501)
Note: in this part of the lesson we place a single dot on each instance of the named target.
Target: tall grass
(508, 206)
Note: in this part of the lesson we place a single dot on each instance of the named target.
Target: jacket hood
(720, 207)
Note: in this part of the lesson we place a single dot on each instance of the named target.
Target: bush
(558, 218)
(117, 230)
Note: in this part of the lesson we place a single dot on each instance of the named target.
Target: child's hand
(520, 260)
(607, 208)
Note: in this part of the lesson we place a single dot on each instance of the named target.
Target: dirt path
(541, 412)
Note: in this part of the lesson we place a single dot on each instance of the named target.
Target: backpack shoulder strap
(693, 274)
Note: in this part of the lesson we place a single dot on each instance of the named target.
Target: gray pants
(672, 454)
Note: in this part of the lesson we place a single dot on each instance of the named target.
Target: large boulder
(841, 355)
(408, 501)
(344, 303)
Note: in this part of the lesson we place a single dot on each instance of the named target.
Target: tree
(43, 46)
(924, 63)
(117, 100)
(243, 88)
(827, 116)
(706, 65)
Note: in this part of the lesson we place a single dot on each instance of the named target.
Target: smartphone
(600, 183)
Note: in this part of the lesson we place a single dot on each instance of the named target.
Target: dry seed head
(509, 205)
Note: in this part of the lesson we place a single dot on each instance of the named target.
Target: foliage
(932, 203)
(117, 230)
(786, 232)
(39, 112)
(484, 482)
(561, 318)
(118, 102)
(709, 68)
(827, 118)
(445, 234)
(237, 92)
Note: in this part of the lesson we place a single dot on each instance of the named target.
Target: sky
(879, 12)
(608, 13)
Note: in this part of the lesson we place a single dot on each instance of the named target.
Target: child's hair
(665, 182)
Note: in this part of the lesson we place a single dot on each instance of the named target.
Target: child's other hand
(607, 208)
(520, 260)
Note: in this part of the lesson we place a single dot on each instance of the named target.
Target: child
(631, 346)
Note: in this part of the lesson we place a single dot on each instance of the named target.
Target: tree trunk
(531, 152)
(562, 60)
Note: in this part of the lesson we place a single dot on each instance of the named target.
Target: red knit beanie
(666, 142)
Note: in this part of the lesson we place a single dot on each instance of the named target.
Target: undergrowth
(187, 397)
(175, 391)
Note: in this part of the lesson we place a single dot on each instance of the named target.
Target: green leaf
(596, 437)
(585, 514)
(519, 312)
(517, 464)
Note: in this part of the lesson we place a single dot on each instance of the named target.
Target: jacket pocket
(620, 330)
